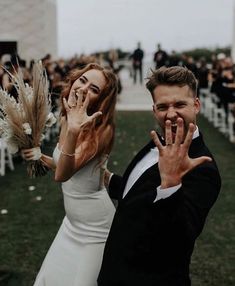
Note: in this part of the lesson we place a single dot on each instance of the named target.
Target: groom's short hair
(175, 75)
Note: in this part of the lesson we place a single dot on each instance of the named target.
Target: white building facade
(28, 28)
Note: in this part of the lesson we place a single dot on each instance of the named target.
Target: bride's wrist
(73, 132)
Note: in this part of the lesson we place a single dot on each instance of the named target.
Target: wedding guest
(164, 195)
(10, 70)
(174, 59)
(137, 63)
(86, 139)
(224, 86)
(203, 72)
(160, 57)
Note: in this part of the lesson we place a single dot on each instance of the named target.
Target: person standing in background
(160, 57)
(137, 60)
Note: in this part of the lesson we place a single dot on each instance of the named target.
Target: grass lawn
(27, 230)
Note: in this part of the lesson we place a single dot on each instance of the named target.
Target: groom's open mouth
(173, 127)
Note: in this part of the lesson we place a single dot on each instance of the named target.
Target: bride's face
(92, 81)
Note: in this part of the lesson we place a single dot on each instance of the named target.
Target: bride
(86, 139)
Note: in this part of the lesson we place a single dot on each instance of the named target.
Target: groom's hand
(174, 161)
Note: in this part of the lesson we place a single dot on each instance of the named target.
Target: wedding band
(168, 144)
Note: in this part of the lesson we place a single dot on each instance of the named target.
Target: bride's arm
(48, 162)
(72, 157)
(34, 154)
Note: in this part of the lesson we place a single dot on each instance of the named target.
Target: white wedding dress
(75, 256)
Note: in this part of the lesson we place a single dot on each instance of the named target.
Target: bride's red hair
(100, 134)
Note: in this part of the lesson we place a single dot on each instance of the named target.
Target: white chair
(5, 158)
(208, 107)
(218, 114)
(231, 123)
(204, 93)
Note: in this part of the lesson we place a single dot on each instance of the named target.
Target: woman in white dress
(86, 137)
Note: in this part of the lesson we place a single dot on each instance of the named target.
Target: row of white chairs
(215, 113)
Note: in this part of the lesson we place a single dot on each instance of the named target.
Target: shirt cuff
(165, 193)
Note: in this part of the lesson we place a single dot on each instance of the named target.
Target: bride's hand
(77, 113)
(32, 154)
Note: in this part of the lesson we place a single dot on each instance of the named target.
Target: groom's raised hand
(174, 161)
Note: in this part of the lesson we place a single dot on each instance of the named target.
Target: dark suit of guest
(150, 243)
(137, 59)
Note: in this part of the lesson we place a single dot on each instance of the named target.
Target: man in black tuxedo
(164, 195)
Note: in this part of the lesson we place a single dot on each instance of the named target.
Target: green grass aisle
(33, 219)
(214, 256)
(30, 225)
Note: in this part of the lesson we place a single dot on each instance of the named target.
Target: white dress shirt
(145, 163)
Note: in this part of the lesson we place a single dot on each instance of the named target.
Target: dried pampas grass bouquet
(23, 121)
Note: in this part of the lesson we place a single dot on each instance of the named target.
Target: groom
(164, 195)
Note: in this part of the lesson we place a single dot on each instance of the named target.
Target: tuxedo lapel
(148, 181)
(196, 146)
(136, 159)
(140, 155)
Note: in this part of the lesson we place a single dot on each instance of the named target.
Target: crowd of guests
(216, 75)
(57, 71)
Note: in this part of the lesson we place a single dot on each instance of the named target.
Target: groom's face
(173, 102)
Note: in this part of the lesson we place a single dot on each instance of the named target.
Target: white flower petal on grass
(31, 188)
(27, 128)
(4, 211)
(38, 198)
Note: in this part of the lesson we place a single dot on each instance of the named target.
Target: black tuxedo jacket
(150, 244)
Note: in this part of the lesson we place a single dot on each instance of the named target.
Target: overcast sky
(85, 26)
